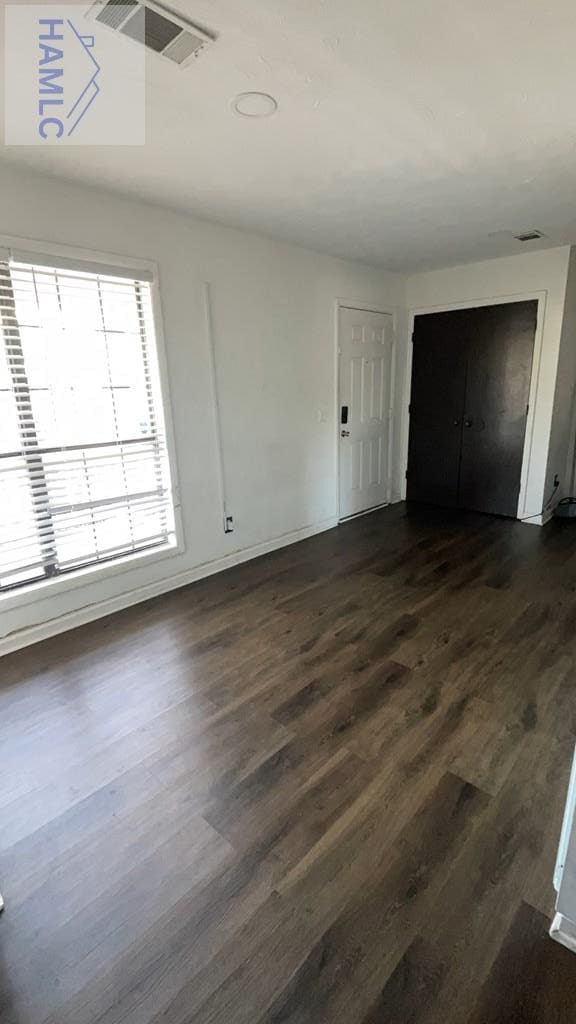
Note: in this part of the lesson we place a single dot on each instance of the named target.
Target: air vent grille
(115, 12)
(528, 236)
(185, 45)
(158, 29)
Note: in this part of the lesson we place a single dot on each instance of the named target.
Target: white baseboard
(546, 516)
(564, 931)
(538, 520)
(88, 613)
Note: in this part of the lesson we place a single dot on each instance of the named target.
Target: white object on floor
(563, 928)
(564, 931)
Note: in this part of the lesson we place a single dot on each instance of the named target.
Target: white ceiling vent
(529, 236)
(159, 29)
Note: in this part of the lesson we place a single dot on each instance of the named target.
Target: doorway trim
(493, 300)
(366, 307)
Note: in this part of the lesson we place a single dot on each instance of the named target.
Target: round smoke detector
(255, 104)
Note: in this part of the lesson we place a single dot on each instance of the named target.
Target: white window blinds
(84, 474)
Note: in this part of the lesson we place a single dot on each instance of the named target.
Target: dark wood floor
(325, 786)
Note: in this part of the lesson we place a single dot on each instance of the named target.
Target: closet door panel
(500, 352)
(437, 407)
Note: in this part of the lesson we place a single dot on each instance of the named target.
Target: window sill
(43, 590)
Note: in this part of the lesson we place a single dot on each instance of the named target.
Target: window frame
(49, 586)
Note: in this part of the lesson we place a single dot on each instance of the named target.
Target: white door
(366, 354)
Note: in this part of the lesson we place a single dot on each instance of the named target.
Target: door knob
(344, 433)
(467, 423)
(456, 423)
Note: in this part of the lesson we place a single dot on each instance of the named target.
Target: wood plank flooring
(324, 786)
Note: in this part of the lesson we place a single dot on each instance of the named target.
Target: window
(84, 474)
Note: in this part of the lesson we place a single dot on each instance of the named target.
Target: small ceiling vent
(529, 236)
(160, 30)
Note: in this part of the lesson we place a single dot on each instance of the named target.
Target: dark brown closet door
(437, 407)
(500, 351)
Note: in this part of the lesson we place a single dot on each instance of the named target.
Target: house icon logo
(69, 80)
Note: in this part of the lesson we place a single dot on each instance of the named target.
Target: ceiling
(409, 133)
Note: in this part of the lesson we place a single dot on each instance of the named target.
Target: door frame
(364, 307)
(493, 300)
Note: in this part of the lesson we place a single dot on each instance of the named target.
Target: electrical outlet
(228, 524)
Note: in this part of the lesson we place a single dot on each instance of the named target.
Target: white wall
(563, 432)
(512, 277)
(274, 327)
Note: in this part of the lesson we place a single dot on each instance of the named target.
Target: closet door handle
(467, 423)
(456, 423)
